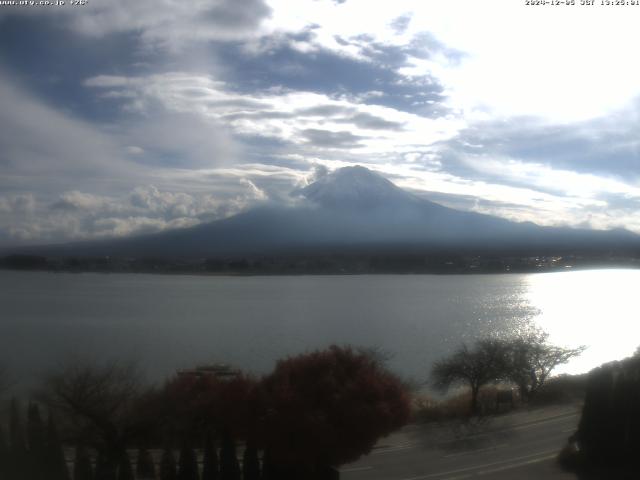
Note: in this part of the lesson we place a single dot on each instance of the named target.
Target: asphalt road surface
(522, 445)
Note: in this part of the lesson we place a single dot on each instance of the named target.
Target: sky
(119, 118)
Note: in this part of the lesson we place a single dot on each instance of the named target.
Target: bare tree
(527, 360)
(98, 403)
(475, 367)
(531, 359)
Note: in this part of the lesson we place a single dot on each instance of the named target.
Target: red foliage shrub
(199, 404)
(329, 407)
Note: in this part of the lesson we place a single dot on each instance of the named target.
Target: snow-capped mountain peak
(354, 187)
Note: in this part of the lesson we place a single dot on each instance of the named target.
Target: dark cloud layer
(236, 14)
(606, 146)
(368, 121)
(324, 71)
(329, 139)
(53, 61)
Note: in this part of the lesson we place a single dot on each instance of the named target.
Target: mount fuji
(352, 209)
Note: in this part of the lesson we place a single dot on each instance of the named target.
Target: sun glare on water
(596, 308)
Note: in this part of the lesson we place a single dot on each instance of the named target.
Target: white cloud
(254, 192)
(77, 215)
(52, 148)
(46, 151)
(546, 178)
(75, 200)
(123, 227)
(563, 74)
(284, 115)
(564, 63)
(580, 67)
(134, 150)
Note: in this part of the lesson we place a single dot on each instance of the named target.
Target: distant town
(338, 263)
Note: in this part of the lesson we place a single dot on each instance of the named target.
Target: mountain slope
(352, 208)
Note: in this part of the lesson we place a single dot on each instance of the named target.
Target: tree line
(313, 413)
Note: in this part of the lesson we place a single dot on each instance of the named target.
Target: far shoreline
(318, 265)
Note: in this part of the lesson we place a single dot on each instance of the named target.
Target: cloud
(17, 204)
(123, 227)
(44, 145)
(373, 74)
(319, 171)
(295, 119)
(401, 23)
(46, 150)
(167, 24)
(50, 161)
(80, 201)
(180, 139)
(77, 215)
(607, 146)
(440, 44)
(368, 121)
(512, 71)
(106, 81)
(237, 14)
(329, 139)
(581, 174)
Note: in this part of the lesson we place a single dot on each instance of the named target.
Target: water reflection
(168, 322)
(597, 308)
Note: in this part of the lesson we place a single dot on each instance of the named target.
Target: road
(520, 445)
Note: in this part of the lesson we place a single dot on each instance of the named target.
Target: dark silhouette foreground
(607, 442)
(315, 412)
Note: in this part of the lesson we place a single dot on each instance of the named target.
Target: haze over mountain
(350, 208)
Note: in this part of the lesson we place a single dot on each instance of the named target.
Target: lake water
(168, 322)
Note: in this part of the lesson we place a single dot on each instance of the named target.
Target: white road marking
(392, 450)
(470, 452)
(477, 467)
(535, 423)
(355, 469)
(502, 469)
(543, 421)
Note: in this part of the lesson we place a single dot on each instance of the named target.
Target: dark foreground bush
(608, 438)
(327, 408)
(561, 389)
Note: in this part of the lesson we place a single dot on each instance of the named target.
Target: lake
(171, 321)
